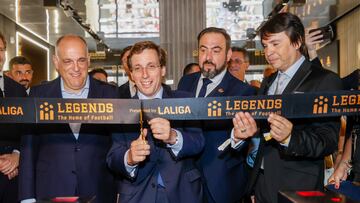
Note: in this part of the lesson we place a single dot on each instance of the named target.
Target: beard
(212, 73)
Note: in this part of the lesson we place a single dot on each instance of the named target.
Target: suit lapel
(219, 90)
(166, 93)
(265, 85)
(55, 89)
(300, 76)
(195, 83)
(94, 90)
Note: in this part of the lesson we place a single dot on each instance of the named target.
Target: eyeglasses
(151, 68)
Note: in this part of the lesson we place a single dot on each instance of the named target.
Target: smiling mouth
(146, 84)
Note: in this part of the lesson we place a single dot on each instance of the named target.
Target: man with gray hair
(68, 159)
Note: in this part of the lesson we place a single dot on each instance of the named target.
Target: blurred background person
(21, 71)
(191, 68)
(99, 74)
(239, 63)
(269, 70)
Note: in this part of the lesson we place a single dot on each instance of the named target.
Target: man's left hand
(280, 127)
(161, 130)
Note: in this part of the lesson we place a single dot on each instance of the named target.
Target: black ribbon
(126, 111)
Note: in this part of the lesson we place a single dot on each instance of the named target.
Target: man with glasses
(21, 71)
(239, 63)
(156, 165)
(68, 159)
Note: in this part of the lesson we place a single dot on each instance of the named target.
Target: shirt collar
(86, 87)
(158, 95)
(217, 78)
(290, 72)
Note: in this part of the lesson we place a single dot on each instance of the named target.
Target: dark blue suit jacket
(181, 178)
(53, 163)
(10, 133)
(223, 172)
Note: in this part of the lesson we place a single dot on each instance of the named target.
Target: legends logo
(342, 103)
(71, 111)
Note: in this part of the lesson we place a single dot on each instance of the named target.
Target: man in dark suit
(223, 170)
(9, 136)
(156, 166)
(294, 158)
(68, 159)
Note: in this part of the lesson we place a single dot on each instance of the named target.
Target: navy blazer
(54, 163)
(223, 172)
(311, 138)
(181, 178)
(124, 91)
(10, 133)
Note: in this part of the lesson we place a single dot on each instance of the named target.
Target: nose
(76, 66)
(144, 72)
(268, 50)
(209, 56)
(23, 76)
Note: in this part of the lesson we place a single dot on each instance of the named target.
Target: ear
(297, 45)
(247, 65)
(56, 62)
(163, 71)
(228, 55)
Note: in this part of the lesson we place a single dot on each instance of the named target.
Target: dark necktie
(206, 82)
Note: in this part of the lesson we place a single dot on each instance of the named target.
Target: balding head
(72, 62)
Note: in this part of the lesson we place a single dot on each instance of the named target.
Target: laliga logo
(214, 109)
(320, 105)
(46, 111)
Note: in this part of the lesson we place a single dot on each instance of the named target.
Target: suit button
(77, 149)
(153, 185)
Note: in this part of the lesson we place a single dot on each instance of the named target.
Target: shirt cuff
(176, 148)
(130, 169)
(232, 141)
(286, 142)
(16, 151)
(32, 200)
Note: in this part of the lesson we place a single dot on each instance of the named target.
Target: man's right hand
(138, 151)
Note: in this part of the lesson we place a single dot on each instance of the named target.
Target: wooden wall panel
(348, 32)
(180, 23)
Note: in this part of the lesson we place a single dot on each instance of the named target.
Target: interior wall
(38, 59)
(180, 23)
(9, 29)
(348, 32)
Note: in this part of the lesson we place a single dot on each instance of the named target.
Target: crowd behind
(161, 161)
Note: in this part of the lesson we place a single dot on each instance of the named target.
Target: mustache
(208, 62)
(24, 80)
